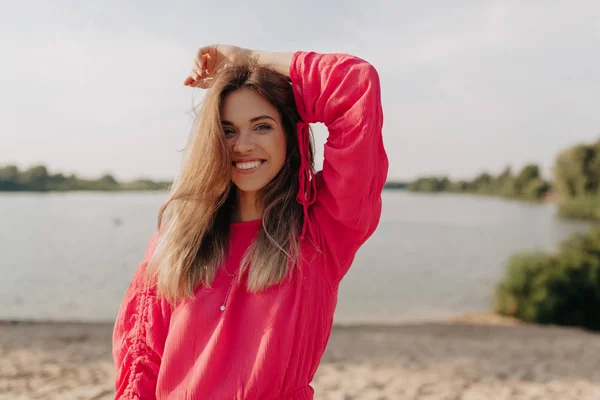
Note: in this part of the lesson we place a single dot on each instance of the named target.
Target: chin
(252, 183)
(249, 187)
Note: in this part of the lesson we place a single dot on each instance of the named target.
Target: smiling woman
(235, 296)
(257, 143)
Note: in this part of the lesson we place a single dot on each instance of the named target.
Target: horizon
(167, 179)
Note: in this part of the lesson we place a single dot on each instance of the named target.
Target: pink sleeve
(139, 336)
(343, 92)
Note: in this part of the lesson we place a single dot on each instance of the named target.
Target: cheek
(230, 144)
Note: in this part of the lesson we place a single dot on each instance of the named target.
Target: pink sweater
(268, 345)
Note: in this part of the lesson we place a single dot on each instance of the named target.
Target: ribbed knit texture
(268, 345)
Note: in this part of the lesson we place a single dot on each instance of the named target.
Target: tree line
(526, 184)
(575, 183)
(38, 179)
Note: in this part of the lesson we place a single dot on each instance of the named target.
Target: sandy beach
(468, 358)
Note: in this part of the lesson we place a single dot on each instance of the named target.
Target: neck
(248, 208)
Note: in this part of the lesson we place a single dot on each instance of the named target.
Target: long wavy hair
(194, 221)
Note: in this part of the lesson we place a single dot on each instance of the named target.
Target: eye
(228, 132)
(262, 127)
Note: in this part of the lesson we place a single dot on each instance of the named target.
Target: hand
(211, 59)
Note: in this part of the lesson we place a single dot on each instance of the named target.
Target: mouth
(248, 166)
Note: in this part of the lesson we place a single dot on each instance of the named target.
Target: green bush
(561, 288)
(583, 207)
(535, 189)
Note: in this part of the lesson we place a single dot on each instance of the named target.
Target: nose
(244, 143)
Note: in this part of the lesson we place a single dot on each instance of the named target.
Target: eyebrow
(224, 122)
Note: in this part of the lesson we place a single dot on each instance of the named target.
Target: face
(253, 129)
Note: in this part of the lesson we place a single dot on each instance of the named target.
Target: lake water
(63, 257)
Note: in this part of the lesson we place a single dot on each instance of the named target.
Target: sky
(97, 87)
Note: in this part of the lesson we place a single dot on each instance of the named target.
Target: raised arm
(139, 336)
(343, 92)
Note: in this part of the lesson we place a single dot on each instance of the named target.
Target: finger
(192, 77)
(199, 71)
(208, 63)
(199, 65)
(203, 66)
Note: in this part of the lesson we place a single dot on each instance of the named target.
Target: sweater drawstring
(307, 191)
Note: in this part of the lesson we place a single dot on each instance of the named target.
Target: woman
(235, 296)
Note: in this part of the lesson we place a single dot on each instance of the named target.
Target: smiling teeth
(248, 165)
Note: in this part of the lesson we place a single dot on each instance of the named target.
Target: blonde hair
(194, 221)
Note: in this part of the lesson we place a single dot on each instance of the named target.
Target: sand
(468, 358)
